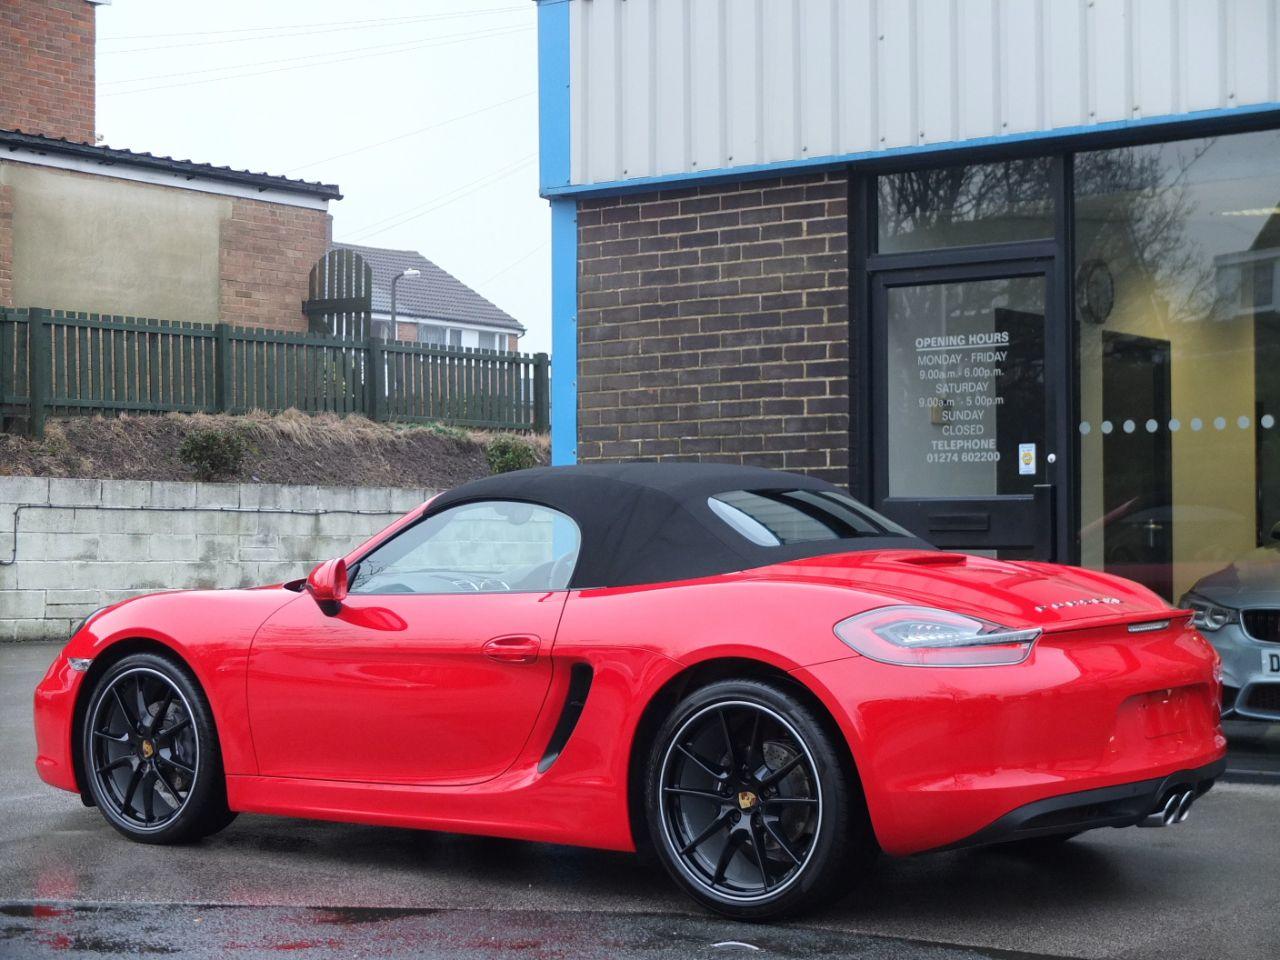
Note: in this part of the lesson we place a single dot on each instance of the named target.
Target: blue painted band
(564, 331)
(764, 170)
(553, 96)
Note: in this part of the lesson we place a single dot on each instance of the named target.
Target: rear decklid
(1011, 593)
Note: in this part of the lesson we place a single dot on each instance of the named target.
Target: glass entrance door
(966, 433)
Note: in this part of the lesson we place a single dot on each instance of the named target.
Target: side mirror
(1275, 532)
(328, 585)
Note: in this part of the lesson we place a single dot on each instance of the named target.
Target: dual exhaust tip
(1175, 809)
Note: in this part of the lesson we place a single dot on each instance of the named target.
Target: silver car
(1238, 610)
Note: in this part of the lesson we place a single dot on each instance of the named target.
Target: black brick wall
(713, 324)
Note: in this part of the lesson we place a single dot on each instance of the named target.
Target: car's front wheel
(151, 757)
(749, 805)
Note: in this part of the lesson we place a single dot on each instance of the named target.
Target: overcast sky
(313, 88)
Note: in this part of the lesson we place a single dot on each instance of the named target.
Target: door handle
(518, 648)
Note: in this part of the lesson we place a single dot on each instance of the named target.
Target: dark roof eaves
(112, 156)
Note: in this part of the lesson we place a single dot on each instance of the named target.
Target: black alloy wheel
(150, 754)
(750, 807)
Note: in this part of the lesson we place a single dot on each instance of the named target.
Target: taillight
(927, 637)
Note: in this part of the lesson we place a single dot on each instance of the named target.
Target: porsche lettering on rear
(1082, 602)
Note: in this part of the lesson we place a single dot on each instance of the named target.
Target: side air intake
(579, 686)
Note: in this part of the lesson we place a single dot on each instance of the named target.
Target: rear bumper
(1124, 805)
(944, 753)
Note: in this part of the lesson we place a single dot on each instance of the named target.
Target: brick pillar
(266, 252)
(713, 324)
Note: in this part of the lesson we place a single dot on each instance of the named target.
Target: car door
(435, 666)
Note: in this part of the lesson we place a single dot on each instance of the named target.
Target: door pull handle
(519, 648)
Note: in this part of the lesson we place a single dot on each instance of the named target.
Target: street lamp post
(410, 272)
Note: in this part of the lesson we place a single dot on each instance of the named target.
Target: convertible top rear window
(772, 518)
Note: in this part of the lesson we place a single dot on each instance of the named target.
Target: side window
(771, 518)
(491, 546)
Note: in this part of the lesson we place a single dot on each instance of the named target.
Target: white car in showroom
(1238, 610)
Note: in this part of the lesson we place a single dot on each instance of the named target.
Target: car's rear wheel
(749, 805)
(151, 757)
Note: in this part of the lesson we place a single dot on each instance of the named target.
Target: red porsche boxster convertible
(748, 671)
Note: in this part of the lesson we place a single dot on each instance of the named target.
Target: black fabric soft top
(650, 523)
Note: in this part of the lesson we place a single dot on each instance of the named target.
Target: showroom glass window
(1178, 327)
(964, 359)
(964, 442)
(491, 546)
(965, 205)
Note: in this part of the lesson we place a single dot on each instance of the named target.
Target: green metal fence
(55, 363)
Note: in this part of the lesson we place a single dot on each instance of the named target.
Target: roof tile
(436, 295)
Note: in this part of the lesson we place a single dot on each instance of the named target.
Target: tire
(749, 805)
(152, 762)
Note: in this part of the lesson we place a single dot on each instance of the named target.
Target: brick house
(92, 228)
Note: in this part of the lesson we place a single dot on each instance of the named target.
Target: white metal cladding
(678, 86)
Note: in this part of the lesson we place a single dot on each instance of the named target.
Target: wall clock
(1095, 291)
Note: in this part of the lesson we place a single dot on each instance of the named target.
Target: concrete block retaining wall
(68, 547)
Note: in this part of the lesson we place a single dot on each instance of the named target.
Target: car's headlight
(1207, 615)
(926, 637)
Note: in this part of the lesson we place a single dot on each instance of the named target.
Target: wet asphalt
(266, 887)
(1254, 754)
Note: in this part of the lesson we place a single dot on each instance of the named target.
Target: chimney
(47, 68)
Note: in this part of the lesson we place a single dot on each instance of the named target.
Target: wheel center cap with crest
(747, 800)
(148, 749)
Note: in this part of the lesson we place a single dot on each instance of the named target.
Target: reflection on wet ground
(218, 932)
